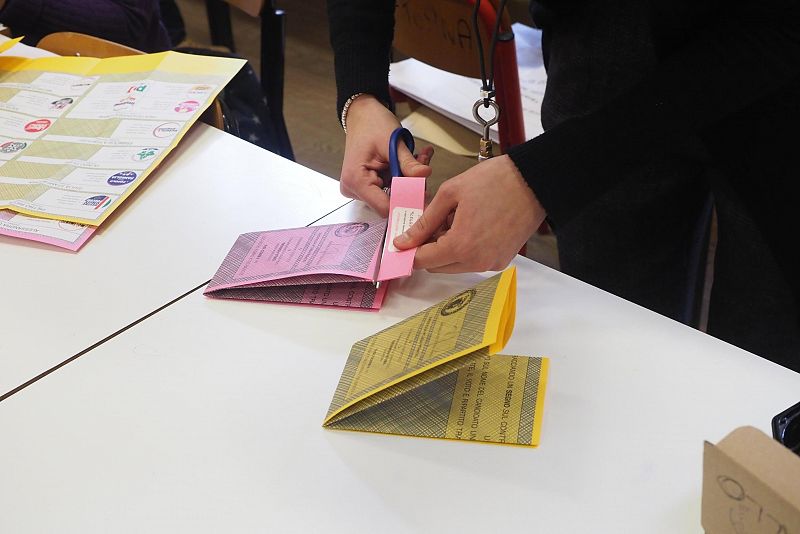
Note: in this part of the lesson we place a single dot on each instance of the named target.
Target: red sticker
(39, 125)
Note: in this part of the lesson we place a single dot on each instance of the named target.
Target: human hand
(477, 221)
(366, 153)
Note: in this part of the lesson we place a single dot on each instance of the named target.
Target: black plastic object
(786, 428)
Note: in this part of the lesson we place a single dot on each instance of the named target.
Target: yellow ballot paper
(78, 135)
(437, 374)
(9, 44)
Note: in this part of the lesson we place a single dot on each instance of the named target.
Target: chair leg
(219, 24)
(698, 263)
(273, 43)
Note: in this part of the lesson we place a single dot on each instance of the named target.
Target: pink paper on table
(329, 265)
(304, 266)
(62, 234)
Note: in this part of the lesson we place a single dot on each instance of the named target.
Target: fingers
(376, 198)
(368, 187)
(426, 155)
(453, 268)
(409, 165)
(433, 218)
(479, 220)
(435, 256)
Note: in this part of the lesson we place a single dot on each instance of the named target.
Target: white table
(207, 418)
(168, 238)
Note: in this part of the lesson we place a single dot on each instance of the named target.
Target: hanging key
(486, 147)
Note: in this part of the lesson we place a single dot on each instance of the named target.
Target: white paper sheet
(453, 95)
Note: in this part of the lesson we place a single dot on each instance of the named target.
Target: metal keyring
(483, 122)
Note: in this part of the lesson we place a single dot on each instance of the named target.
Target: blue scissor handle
(394, 163)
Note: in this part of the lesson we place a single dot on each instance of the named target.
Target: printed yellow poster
(78, 135)
(437, 374)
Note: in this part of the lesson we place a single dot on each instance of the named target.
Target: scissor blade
(375, 280)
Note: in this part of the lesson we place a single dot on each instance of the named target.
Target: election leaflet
(64, 234)
(437, 374)
(328, 265)
(78, 135)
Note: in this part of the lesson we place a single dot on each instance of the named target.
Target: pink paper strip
(407, 200)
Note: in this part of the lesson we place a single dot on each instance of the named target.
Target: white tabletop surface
(169, 237)
(207, 418)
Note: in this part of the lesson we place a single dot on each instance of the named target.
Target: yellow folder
(437, 374)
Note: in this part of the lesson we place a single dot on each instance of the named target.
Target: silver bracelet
(346, 108)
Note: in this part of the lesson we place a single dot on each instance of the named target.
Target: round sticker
(200, 89)
(39, 125)
(125, 104)
(10, 147)
(187, 106)
(61, 103)
(168, 129)
(145, 154)
(70, 227)
(97, 201)
(458, 302)
(121, 178)
(351, 230)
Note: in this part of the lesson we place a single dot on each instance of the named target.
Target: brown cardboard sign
(751, 485)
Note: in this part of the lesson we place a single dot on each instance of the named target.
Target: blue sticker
(122, 178)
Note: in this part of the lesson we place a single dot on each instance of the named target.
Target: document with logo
(437, 374)
(78, 135)
(68, 235)
(328, 265)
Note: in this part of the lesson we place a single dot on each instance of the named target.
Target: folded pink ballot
(329, 265)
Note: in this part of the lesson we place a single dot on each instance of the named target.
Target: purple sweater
(136, 23)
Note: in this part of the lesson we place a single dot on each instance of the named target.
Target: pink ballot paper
(330, 265)
(71, 236)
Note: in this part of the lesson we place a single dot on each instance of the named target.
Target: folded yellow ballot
(437, 374)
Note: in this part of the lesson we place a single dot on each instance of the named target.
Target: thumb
(409, 165)
(434, 216)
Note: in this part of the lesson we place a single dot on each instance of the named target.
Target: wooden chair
(79, 44)
(440, 34)
(273, 43)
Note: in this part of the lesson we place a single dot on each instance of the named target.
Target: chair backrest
(440, 34)
(79, 44)
(273, 41)
(251, 7)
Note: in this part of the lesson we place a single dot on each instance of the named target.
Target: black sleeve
(750, 51)
(134, 23)
(361, 34)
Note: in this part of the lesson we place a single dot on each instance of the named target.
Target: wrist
(346, 108)
(512, 171)
(360, 106)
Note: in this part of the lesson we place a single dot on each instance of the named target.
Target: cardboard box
(751, 485)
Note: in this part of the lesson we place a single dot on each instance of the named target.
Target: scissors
(399, 134)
